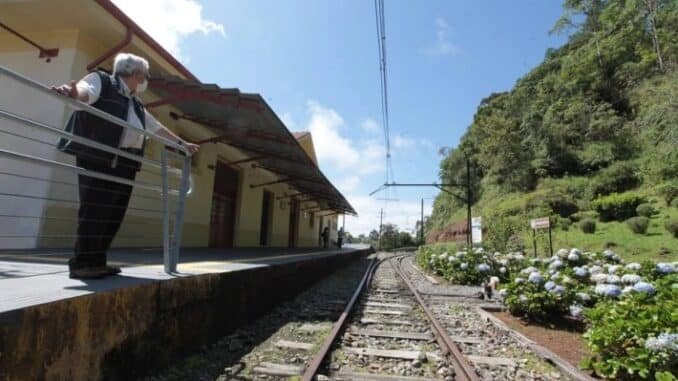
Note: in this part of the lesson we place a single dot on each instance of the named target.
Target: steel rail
(465, 371)
(314, 365)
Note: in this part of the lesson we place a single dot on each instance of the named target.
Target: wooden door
(293, 233)
(266, 219)
(224, 205)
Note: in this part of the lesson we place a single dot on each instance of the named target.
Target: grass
(630, 246)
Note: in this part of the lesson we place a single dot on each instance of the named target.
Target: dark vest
(112, 101)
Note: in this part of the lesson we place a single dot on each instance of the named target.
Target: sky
(316, 64)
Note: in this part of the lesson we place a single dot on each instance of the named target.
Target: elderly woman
(103, 203)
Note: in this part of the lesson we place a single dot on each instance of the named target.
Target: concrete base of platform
(121, 332)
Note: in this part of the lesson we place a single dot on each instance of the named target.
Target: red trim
(116, 49)
(46, 53)
(136, 29)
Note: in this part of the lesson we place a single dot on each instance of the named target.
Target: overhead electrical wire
(381, 42)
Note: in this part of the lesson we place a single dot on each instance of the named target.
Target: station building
(255, 183)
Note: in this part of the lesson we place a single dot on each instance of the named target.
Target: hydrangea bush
(631, 308)
(468, 267)
(636, 336)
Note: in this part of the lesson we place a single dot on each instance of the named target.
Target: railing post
(166, 253)
(179, 218)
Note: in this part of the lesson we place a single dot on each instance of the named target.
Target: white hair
(125, 64)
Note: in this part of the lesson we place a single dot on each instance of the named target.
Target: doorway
(224, 204)
(266, 219)
(293, 234)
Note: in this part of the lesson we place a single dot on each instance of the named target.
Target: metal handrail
(171, 243)
(79, 139)
(78, 105)
(82, 171)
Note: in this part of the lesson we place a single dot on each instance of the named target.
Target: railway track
(391, 335)
(370, 322)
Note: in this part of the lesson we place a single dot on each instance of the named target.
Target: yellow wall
(140, 227)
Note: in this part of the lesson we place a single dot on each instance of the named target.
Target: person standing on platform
(340, 237)
(103, 203)
(326, 237)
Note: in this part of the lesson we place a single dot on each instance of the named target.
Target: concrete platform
(53, 327)
(36, 277)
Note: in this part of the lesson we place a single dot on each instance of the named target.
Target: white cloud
(332, 148)
(353, 162)
(442, 45)
(370, 125)
(401, 142)
(170, 21)
(348, 183)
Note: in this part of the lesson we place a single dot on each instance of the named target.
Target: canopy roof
(245, 121)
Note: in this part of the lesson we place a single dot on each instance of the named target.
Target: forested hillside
(586, 137)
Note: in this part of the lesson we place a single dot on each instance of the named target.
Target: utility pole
(421, 227)
(381, 223)
(468, 203)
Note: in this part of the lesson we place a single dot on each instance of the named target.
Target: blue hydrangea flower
(613, 279)
(562, 253)
(664, 268)
(519, 280)
(535, 278)
(555, 265)
(608, 254)
(549, 285)
(573, 257)
(535, 261)
(528, 270)
(613, 269)
(595, 269)
(452, 258)
(576, 311)
(523, 298)
(460, 254)
(634, 266)
(464, 266)
(630, 278)
(483, 268)
(502, 270)
(609, 290)
(503, 292)
(581, 272)
(645, 287)
(599, 278)
(665, 342)
(558, 290)
(627, 290)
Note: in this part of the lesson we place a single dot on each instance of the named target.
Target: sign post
(476, 230)
(541, 223)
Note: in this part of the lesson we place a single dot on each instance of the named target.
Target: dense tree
(605, 99)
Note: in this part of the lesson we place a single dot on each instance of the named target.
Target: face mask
(142, 87)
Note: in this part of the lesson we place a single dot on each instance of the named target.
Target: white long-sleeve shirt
(91, 84)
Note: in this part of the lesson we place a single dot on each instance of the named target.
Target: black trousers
(102, 208)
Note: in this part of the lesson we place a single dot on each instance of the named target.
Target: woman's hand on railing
(192, 148)
(69, 90)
